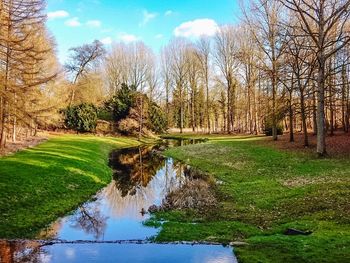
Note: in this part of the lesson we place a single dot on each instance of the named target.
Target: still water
(86, 253)
(142, 177)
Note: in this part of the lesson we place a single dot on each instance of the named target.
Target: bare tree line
(283, 67)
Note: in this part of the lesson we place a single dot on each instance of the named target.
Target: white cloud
(94, 23)
(106, 40)
(168, 13)
(159, 36)
(127, 38)
(197, 28)
(147, 16)
(57, 14)
(74, 22)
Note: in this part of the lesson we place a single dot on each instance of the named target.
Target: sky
(154, 22)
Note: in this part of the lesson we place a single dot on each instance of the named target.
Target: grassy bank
(264, 192)
(39, 184)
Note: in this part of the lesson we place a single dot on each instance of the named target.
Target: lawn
(40, 184)
(265, 191)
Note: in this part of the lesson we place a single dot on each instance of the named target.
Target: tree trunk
(14, 123)
(331, 108)
(314, 110)
(181, 112)
(193, 110)
(207, 108)
(344, 99)
(3, 128)
(141, 118)
(321, 57)
(321, 132)
(228, 123)
(291, 114)
(303, 118)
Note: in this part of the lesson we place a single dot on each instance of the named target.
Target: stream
(109, 228)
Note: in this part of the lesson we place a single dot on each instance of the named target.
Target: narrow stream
(141, 178)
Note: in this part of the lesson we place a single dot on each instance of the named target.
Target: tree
(264, 21)
(225, 55)
(194, 68)
(248, 54)
(203, 53)
(24, 46)
(179, 70)
(82, 60)
(324, 22)
(302, 65)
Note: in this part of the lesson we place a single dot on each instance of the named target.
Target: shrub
(268, 129)
(119, 105)
(128, 126)
(82, 118)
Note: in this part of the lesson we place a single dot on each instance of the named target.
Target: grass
(264, 192)
(40, 184)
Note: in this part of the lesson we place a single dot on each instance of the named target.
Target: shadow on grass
(40, 184)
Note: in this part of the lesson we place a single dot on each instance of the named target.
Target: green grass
(264, 192)
(40, 184)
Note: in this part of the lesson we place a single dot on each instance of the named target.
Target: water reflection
(26, 252)
(34, 252)
(135, 168)
(89, 218)
(142, 177)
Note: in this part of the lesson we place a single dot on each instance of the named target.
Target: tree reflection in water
(21, 252)
(134, 168)
(90, 220)
(141, 178)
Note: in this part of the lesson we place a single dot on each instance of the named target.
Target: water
(86, 253)
(141, 178)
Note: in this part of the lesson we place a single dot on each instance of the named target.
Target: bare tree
(82, 60)
(264, 21)
(324, 22)
(179, 70)
(226, 60)
(166, 77)
(116, 68)
(302, 64)
(203, 53)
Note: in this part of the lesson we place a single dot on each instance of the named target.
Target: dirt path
(13, 147)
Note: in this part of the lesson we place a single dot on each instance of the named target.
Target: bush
(128, 126)
(268, 129)
(125, 109)
(119, 105)
(82, 118)
(104, 114)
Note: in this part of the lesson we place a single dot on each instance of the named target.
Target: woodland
(283, 68)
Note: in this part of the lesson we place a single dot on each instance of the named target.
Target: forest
(283, 68)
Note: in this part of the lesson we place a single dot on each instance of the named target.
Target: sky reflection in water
(141, 179)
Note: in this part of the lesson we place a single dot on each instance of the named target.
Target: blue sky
(74, 23)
